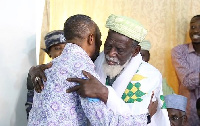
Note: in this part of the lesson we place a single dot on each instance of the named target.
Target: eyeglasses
(175, 118)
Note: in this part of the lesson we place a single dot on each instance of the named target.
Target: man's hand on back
(38, 76)
(90, 87)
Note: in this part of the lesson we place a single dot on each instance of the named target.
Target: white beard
(113, 70)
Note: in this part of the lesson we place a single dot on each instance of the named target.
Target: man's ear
(49, 55)
(48, 52)
(91, 39)
(136, 50)
(185, 119)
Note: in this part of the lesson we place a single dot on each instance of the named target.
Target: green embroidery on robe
(133, 93)
(164, 103)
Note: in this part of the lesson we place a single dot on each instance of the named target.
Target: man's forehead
(117, 36)
(172, 110)
(194, 20)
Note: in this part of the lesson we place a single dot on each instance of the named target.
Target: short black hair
(77, 26)
(135, 43)
(196, 16)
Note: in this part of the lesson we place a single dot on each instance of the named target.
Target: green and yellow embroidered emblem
(133, 93)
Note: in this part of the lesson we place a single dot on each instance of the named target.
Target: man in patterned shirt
(53, 106)
(186, 60)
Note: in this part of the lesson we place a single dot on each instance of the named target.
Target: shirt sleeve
(30, 95)
(118, 105)
(29, 83)
(186, 76)
(99, 115)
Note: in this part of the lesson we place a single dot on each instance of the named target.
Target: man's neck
(77, 41)
(196, 47)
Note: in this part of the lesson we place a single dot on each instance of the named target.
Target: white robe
(149, 78)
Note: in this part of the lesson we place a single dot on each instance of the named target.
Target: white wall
(17, 55)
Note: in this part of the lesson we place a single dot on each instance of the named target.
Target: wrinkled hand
(90, 87)
(38, 71)
(152, 106)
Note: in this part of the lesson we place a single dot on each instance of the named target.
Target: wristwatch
(148, 118)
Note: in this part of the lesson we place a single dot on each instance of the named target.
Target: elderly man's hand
(152, 106)
(37, 76)
(90, 87)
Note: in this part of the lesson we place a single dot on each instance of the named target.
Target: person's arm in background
(38, 71)
(188, 78)
(35, 71)
(30, 95)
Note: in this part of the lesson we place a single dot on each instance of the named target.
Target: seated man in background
(186, 61)
(176, 107)
(55, 43)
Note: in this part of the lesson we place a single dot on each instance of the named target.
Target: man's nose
(196, 30)
(112, 52)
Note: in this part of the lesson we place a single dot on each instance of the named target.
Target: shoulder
(149, 75)
(180, 48)
(73, 60)
(148, 69)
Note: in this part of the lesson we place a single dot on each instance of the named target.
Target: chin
(111, 70)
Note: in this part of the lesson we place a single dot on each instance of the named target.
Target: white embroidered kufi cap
(176, 102)
(126, 26)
